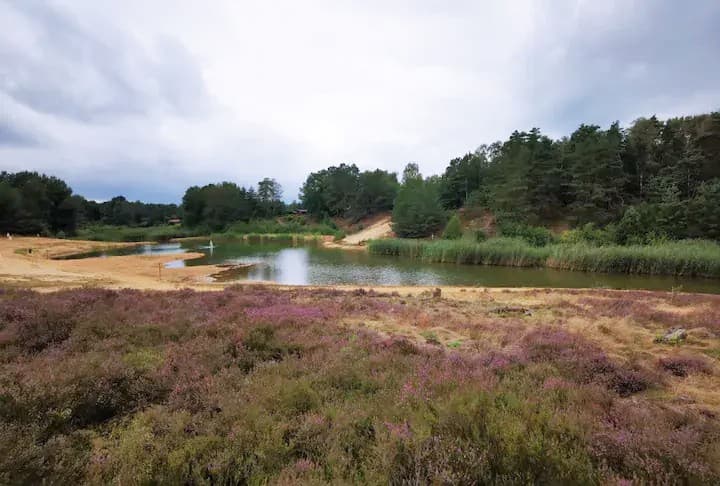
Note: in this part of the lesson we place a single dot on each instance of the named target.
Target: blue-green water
(310, 264)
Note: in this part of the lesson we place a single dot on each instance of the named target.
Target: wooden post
(159, 271)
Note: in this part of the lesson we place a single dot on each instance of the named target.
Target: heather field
(257, 385)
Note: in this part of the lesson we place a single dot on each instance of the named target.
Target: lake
(312, 264)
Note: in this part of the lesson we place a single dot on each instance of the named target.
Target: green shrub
(417, 212)
(534, 235)
(453, 229)
(477, 235)
(591, 235)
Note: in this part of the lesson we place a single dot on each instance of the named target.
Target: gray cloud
(147, 98)
(74, 72)
(646, 58)
(13, 136)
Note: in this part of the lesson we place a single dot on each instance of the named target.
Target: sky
(145, 98)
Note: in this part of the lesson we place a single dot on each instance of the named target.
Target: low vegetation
(686, 258)
(135, 233)
(288, 227)
(253, 385)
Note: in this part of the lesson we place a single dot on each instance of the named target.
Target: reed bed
(497, 251)
(692, 258)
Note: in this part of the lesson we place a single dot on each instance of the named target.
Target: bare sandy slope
(380, 229)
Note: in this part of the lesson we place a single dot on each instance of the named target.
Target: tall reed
(497, 251)
(693, 258)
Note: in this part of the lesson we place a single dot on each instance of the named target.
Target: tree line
(32, 203)
(653, 179)
(656, 177)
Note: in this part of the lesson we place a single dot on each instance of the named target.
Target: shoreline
(39, 271)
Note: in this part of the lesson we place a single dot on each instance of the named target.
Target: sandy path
(378, 230)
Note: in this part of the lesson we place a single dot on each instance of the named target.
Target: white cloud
(149, 97)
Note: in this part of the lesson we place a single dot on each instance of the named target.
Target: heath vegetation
(253, 385)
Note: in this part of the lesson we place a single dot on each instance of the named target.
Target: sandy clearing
(379, 229)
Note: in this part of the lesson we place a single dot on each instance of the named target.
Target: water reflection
(314, 265)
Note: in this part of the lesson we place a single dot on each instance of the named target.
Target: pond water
(310, 264)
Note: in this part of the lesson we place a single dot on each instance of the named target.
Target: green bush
(477, 235)
(534, 235)
(453, 229)
(591, 235)
(417, 211)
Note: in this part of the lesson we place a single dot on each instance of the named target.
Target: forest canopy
(653, 179)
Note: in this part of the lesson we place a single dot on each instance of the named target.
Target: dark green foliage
(376, 193)
(32, 203)
(417, 211)
(593, 159)
(346, 192)
(216, 205)
(121, 212)
(269, 197)
(463, 176)
(704, 211)
(534, 235)
(667, 171)
(331, 191)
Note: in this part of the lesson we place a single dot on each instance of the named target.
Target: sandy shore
(28, 263)
(38, 270)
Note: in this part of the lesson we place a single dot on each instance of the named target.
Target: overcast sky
(146, 97)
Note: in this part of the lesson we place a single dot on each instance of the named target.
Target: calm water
(312, 264)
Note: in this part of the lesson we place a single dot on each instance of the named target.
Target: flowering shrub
(582, 361)
(252, 385)
(684, 365)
